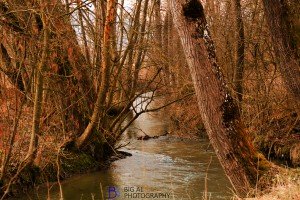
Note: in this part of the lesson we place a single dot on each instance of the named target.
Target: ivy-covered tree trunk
(218, 110)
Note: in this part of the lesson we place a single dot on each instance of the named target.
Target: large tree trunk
(218, 110)
(284, 41)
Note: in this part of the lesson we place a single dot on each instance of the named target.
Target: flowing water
(162, 168)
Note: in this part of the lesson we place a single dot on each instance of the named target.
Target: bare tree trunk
(140, 51)
(218, 109)
(284, 41)
(38, 95)
(158, 23)
(166, 47)
(84, 37)
(239, 72)
(104, 84)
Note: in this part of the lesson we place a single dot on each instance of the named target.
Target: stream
(162, 168)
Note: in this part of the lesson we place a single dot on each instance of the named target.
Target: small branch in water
(206, 178)
(147, 137)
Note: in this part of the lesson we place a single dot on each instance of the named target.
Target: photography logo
(132, 192)
(112, 192)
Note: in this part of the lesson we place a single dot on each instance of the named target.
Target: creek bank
(71, 164)
(285, 149)
(279, 138)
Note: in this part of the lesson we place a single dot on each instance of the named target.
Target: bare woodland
(70, 71)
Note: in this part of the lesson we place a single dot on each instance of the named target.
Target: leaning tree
(218, 109)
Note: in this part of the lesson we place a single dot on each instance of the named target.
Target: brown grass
(286, 186)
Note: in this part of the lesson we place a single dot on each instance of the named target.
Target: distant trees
(239, 72)
(282, 29)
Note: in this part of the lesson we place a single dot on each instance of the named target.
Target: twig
(205, 181)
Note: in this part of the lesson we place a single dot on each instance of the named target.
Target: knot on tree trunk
(193, 10)
(230, 111)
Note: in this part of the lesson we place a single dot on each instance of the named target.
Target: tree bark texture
(218, 110)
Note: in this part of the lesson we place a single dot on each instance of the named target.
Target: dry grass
(286, 187)
(290, 191)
